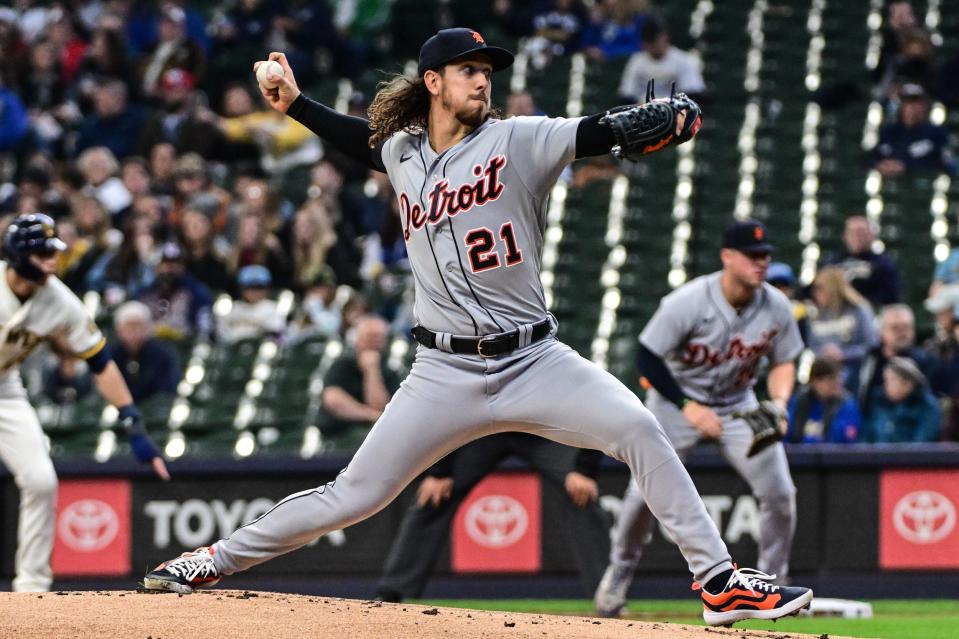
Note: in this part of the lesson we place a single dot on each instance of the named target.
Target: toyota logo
(88, 525)
(496, 521)
(924, 517)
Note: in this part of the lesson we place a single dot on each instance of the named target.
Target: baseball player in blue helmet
(36, 307)
(473, 192)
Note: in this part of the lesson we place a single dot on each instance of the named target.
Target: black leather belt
(486, 346)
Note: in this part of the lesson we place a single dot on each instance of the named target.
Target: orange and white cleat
(750, 595)
(186, 573)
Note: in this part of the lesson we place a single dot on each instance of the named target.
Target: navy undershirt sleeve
(593, 138)
(656, 372)
(346, 133)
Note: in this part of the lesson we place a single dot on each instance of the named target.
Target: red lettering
(444, 201)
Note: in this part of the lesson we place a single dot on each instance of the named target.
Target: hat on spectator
(171, 252)
(254, 276)
(190, 164)
(947, 297)
(824, 367)
(173, 79)
(911, 91)
(906, 369)
(748, 236)
(173, 14)
(780, 273)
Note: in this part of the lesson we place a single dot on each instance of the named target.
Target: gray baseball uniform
(473, 219)
(713, 352)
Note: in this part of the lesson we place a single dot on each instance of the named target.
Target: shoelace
(191, 565)
(751, 579)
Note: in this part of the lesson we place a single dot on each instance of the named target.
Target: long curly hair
(402, 103)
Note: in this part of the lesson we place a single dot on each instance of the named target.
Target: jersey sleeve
(77, 329)
(540, 148)
(668, 326)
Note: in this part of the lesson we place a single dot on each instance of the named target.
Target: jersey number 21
(481, 247)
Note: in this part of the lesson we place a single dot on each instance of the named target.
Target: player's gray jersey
(713, 351)
(473, 219)
(53, 313)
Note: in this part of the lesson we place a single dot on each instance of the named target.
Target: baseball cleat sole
(166, 585)
(788, 610)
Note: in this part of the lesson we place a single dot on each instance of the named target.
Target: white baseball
(270, 67)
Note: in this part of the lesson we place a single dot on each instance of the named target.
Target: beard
(469, 114)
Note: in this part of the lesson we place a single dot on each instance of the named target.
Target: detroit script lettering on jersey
(445, 201)
(696, 354)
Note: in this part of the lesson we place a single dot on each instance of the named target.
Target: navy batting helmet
(29, 234)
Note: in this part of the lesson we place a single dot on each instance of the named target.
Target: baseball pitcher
(35, 307)
(699, 353)
(472, 191)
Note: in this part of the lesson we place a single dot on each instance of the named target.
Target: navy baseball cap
(449, 44)
(748, 236)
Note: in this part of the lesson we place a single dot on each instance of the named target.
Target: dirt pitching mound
(233, 614)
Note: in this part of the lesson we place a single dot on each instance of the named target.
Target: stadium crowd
(138, 126)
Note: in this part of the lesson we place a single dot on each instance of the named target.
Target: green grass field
(893, 619)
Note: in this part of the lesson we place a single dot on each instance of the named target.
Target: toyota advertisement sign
(918, 519)
(93, 528)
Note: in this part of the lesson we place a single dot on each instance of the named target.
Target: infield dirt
(234, 614)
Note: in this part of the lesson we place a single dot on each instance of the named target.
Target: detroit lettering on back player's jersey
(445, 201)
(748, 354)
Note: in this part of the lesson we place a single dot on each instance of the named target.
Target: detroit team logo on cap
(477, 37)
(758, 233)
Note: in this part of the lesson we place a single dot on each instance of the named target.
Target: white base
(845, 608)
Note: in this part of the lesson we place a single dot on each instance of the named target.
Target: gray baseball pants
(767, 474)
(449, 400)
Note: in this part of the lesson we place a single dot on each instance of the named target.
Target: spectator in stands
(251, 132)
(193, 188)
(14, 122)
(781, 275)
(942, 349)
(255, 244)
(105, 60)
(68, 380)
(181, 122)
(99, 167)
(897, 338)
(114, 123)
(253, 314)
(840, 323)
(180, 304)
(149, 367)
(557, 28)
(319, 313)
(41, 86)
(661, 61)
(903, 408)
(174, 50)
(359, 383)
(915, 63)
(874, 275)
(313, 242)
(913, 143)
(823, 410)
(97, 239)
(136, 177)
(899, 18)
(247, 23)
(615, 29)
(162, 164)
(346, 212)
(132, 267)
(205, 259)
